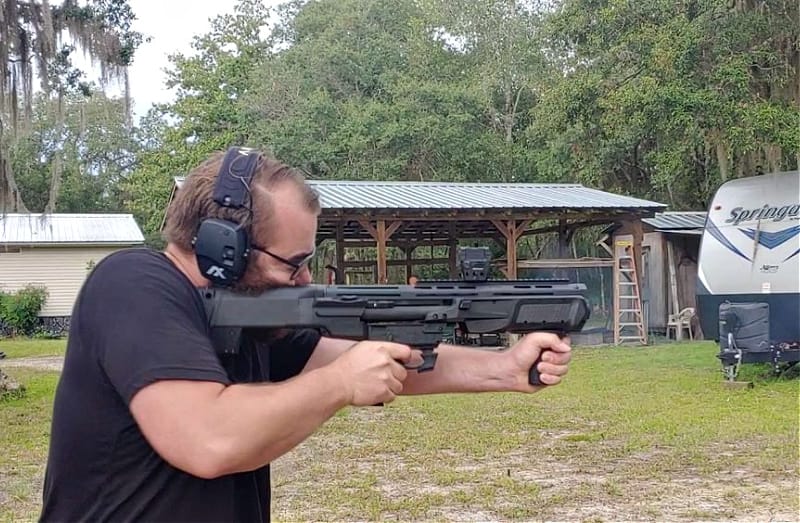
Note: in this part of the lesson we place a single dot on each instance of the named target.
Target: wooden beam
(565, 263)
(399, 244)
(398, 263)
(369, 228)
(392, 228)
(501, 226)
(602, 243)
(340, 246)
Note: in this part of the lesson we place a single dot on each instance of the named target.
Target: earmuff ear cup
(222, 248)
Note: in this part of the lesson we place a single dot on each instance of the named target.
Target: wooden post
(638, 237)
(340, 247)
(511, 249)
(380, 239)
(563, 238)
(409, 252)
(673, 290)
(381, 233)
(452, 250)
(617, 300)
(512, 231)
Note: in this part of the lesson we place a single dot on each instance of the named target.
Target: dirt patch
(559, 492)
(522, 486)
(52, 363)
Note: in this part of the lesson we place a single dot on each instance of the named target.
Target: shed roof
(394, 195)
(677, 220)
(72, 229)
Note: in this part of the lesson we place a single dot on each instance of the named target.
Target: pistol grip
(533, 374)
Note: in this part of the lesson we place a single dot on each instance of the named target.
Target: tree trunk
(10, 197)
(55, 177)
(722, 160)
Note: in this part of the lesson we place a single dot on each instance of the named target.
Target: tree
(667, 100)
(396, 90)
(207, 114)
(40, 37)
(90, 139)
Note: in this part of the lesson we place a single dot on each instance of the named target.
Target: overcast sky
(171, 25)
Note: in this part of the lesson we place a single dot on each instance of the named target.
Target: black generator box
(744, 324)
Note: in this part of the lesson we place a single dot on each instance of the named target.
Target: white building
(57, 251)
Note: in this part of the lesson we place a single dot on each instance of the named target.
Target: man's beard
(253, 282)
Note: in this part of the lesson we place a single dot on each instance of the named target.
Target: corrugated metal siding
(116, 229)
(62, 270)
(441, 195)
(677, 220)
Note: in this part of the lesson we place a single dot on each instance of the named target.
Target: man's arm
(208, 429)
(326, 351)
(466, 369)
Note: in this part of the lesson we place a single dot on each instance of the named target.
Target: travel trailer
(748, 275)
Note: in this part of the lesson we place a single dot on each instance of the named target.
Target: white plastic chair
(680, 322)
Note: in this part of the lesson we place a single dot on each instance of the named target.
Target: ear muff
(221, 246)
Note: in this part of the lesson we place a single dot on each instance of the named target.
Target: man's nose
(304, 276)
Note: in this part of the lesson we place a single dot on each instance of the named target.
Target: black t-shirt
(138, 320)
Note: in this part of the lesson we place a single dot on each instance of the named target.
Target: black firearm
(421, 316)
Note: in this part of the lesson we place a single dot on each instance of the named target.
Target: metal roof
(74, 229)
(445, 195)
(686, 220)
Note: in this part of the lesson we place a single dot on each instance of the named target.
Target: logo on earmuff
(216, 272)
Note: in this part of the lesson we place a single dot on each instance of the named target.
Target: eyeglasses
(296, 265)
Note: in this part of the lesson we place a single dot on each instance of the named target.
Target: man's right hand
(372, 372)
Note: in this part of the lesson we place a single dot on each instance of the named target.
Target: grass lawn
(24, 348)
(635, 433)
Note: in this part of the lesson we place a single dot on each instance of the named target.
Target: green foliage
(667, 100)
(207, 115)
(88, 140)
(40, 37)
(655, 99)
(377, 90)
(19, 311)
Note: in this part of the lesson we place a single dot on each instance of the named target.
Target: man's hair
(194, 201)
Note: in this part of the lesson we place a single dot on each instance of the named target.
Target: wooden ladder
(628, 318)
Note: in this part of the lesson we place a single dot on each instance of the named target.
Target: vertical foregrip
(428, 360)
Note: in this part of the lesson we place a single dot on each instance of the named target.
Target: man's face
(281, 257)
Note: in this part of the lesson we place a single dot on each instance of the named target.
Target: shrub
(19, 312)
